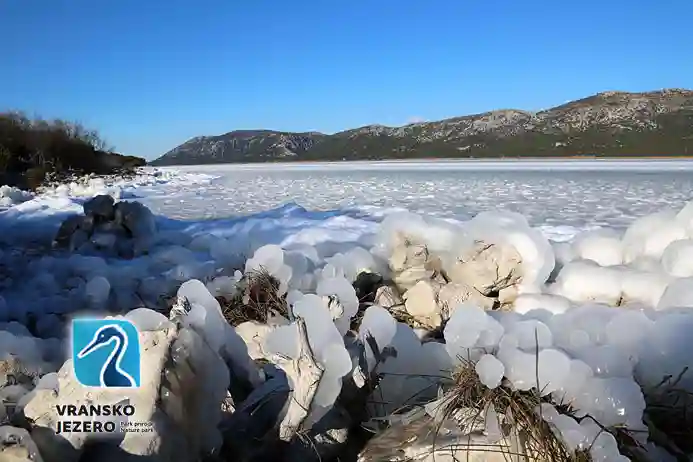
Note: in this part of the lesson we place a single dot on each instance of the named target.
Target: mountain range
(609, 124)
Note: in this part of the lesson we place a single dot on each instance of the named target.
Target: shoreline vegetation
(36, 151)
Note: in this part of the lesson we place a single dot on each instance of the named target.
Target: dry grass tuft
(539, 438)
(257, 300)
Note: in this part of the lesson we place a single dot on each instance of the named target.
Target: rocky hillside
(657, 123)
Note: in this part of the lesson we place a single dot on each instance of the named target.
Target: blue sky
(150, 74)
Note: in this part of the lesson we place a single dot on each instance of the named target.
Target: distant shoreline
(448, 160)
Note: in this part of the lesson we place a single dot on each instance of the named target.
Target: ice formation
(596, 323)
(10, 196)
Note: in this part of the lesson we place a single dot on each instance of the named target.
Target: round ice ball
(490, 370)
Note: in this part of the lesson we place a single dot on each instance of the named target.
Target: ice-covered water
(553, 195)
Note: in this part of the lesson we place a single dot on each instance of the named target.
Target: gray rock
(387, 297)
(78, 239)
(136, 218)
(16, 445)
(13, 372)
(100, 207)
(66, 230)
(325, 440)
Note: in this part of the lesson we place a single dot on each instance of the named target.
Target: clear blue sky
(150, 74)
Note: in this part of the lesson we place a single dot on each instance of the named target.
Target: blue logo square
(106, 353)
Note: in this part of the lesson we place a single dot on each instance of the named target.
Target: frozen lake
(561, 197)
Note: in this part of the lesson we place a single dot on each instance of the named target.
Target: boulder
(100, 207)
(136, 218)
(487, 267)
(125, 229)
(66, 230)
(452, 295)
(14, 372)
(16, 445)
(181, 394)
(254, 334)
(420, 302)
(387, 297)
(410, 262)
(464, 436)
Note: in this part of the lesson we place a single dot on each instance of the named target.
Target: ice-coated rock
(387, 297)
(136, 218)
(421, 303)
(327, 345)
(12, 369)
(451, 295)
(185, 415)
(512, 229)
(410, 261)
(487, 267)
(254, 334)
(101, 206)
(148, 320)
(9, 196)
(207, 319)
(477, 440)
(378, 323)
(345, 293)
(303, 370)
(16, 445)
(69, 227)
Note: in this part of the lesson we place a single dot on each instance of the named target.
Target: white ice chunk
(464, 329)
(490, 370)
(97, 290)
(651, 234)
(555, 304)
(346, 295)
(554, 370)
(603, 246)
(148, 320)
(532, 334)
(644, 287)
(677, 258)
(380, 324)
(585, 281)
(679, 293)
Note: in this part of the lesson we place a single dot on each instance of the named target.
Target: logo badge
(106, 353)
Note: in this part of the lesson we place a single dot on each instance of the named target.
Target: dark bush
(32, 149)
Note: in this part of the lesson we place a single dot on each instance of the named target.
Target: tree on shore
(32, 148)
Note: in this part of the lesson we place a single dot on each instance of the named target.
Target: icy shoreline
(605, 317)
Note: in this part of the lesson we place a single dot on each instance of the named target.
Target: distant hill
(610, 124)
